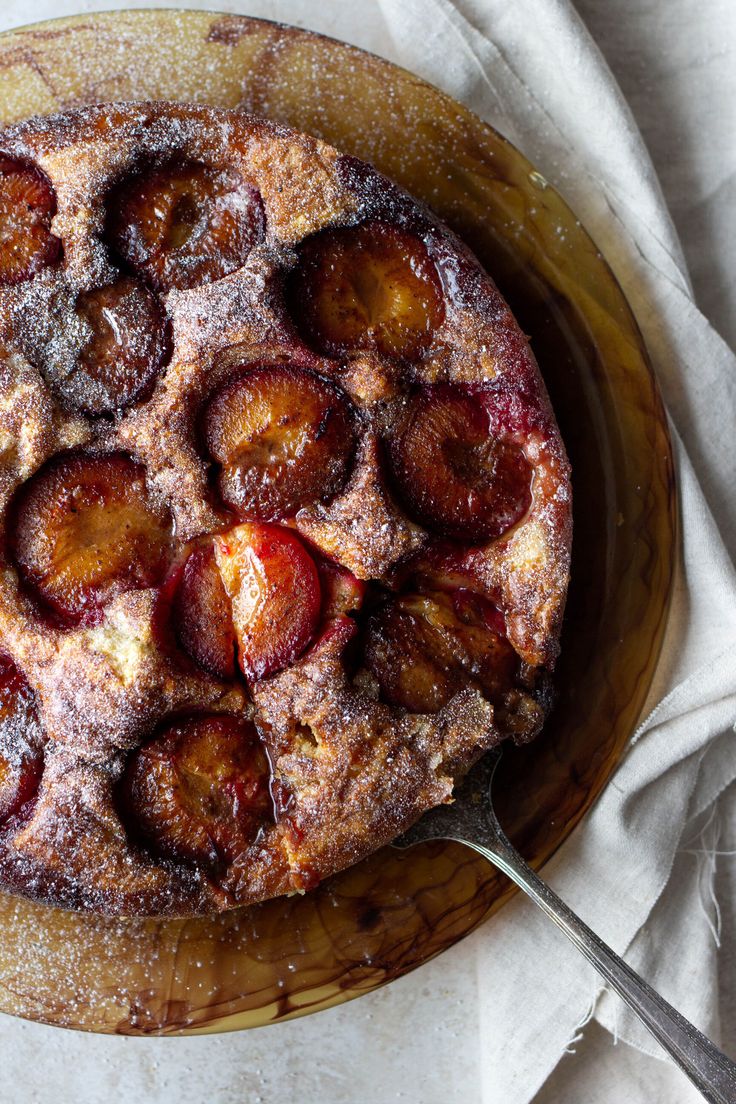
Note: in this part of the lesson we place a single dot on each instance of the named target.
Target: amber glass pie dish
(386, 915)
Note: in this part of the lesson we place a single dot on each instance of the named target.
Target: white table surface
(418, 1040)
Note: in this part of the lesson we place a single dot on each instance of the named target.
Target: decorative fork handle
(713, 1074)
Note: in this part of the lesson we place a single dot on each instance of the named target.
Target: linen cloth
(640, 868)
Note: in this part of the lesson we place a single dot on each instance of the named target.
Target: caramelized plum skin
(253, 591)
(342, 593)
(371, 287)
(85, 530)
(27, 205)
(423, 648)
(283, 438)
(124, 352)
(199, 790)
(274, 588)
(184, 223)
(203, 614)
(21, 758)
(454, 476)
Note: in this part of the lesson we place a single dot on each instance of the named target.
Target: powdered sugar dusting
(101, 689)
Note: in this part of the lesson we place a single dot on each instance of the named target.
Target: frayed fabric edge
(578, 1030)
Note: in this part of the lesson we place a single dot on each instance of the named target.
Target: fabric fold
(532, 70)
(639, 868)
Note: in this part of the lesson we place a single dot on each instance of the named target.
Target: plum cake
(285, 516)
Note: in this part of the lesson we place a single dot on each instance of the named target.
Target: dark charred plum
(21, 757)
(121, 358)
(423, 648)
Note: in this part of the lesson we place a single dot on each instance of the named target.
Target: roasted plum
(282, 437)
(199, 790)
(253, 591)
(453, 474)
(342, 593)
(184, 223)
(371, 287)
(21, 756)
(273, 585)
(126, 347)
(27, 205)
(424, 647)
(203, 614)
(85, 529)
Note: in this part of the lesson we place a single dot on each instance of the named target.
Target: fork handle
(712, 1073)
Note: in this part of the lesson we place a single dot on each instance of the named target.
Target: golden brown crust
(356, 771)
(362, 774)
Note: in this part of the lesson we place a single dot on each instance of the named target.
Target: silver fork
(471, 820)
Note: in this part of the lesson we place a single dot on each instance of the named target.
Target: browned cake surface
(285, 512)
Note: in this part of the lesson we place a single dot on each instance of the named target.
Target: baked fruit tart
(285, 514)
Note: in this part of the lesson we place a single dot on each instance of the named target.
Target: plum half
(273, 585)
(183, 224)
(367, 287)
(253, 591)
(203, 614)
(85, 529)
(199, 790)
(424, 647)
(283, 439)
(453, 474)
(126, 347)
(27, 205)
(21, 757)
